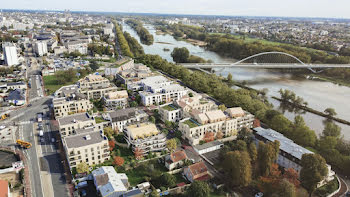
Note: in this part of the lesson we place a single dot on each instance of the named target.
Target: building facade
(66, 106)
(40, 48)
(10, 54)
(69, 125)
(123, 117)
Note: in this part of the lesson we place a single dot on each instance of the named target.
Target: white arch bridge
(271, 60)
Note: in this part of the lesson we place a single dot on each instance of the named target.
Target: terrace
(170, 107)
(191, 123)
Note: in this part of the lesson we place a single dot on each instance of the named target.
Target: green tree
(152, 119)
(171, 144)
(180, 55)
(253, 153)
(82, 167)
(238, 167)
(108, 131)
(302, 134)
(222, 107)
(331, 129)
(198, 189)
(154, 192)
(229, 78)
(330, 112)
(285, 189)
(240, 145)
(168, 180)
(267, 155)
(314, 169)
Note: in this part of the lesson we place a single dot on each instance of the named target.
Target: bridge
(268, 60)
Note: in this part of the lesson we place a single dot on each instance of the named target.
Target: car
(42, 139)
(83, 192)
(260, 194)
(2, 127)
(53, 140)
(29, 105)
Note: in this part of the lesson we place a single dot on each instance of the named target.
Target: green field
(51, 84)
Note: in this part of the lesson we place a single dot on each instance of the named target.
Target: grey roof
(287, 145)
(85, 130)
(75, 141)
(208, 145)
(123, 114)
(75, 117)
(16, 95)
(132, 193)
(15, 83)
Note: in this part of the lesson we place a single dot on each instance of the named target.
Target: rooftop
(109, 181)
(208, 145)
(141, 130)
(191, 123)
(178, 156)
(198, 168)
(286, 144)
(81, 117)
(170, 107)
(84, 139)
(235, 112)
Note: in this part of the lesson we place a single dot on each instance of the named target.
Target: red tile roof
(3, 188)
(178, 156)
(198, 168)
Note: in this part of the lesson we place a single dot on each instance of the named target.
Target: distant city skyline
(285, 8)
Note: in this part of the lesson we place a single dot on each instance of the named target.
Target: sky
(288, 8)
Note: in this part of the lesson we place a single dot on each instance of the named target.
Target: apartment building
(290, 153)
(94, 86)
(158, 89)
(116, 100)
(244, 118)
(170, 112)
(123, 117)
(145, 136)
(40, 48)
(73, 124)
(76, 103)
(10, 53)
(90, 147)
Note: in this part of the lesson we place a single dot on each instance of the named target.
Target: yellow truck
(4, 116)
(24, 144)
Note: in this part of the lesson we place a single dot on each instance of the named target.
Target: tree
(82, 167)
(285, 189)
(209, 136)
(108, 131)
(229, 78)
(154, 192)
(180, 55)
(292, 176)
(152, 119)
(198, 189)
(119, 161)
(168, 124)
(314, 170)
(245, 134)
(330, 112)
(138, 153)
(222, 107)
(253, 153)
(94, 65)
(168, 180)
(331, 129)
(267, 154)
(171, 144)
(238, 167)
(111, 144)
(240, 145)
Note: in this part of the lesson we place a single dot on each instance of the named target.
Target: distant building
(110, 183)
(175, 159)
(290, 153)
(13, 85)
(17, 97)
(145, 136)
(123, 117)
(10, 54)
(197, 171)
(40, 48)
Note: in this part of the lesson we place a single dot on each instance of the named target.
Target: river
(319, 95)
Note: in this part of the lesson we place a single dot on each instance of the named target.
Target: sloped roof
(198, 168)
(178, 156)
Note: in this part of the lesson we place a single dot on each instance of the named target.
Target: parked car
(260, 194)
(2, 127)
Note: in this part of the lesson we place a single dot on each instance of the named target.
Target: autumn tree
(209, 136)
(138, 153)
(82, 167)
(267, 154)
(111, 144)
(171, 144)
(253, 153)
(108, 131)
(285, 189)
(238, 167)
(314, 169)
(292, 176)
(119, 161)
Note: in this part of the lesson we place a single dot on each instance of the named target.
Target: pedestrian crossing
(25, 122)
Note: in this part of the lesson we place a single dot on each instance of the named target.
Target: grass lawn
(190, 124)
(169, 108)
(99, 120)
(51, 83)
(179, 178)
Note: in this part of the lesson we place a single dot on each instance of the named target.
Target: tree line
(134, 45)
(182, 55)
(250, 101)
(145, 36)
(124, 46)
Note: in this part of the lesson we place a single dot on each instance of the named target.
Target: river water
(319, 95)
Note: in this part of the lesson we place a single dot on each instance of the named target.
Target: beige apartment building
(66, 106)
(117, 99)
(72, 124)
(95, 86)
(90, 147)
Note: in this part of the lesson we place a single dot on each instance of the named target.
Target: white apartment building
(65, 106)
(10, 54)
(290, 153)
(158, 89)
(123, 117)
(73, 124)
(194, 129)
(40, 48)
(81, 47)
(170, 112)
(145, 136)
(90, 147)
(116, 100)
(244, 118)
(94, 86)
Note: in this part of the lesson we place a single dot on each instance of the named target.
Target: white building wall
(10, 54)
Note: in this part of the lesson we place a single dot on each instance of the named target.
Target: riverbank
(329, 79)
(308, 109)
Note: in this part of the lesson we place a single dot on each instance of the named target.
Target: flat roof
(81, 117)
(208, 145)
(215, 115)
(84, 139)
(141, 130)
(287, 145)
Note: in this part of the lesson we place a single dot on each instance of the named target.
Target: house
(290, 153)
(17, 97)
(197, 171)
(110, 183)
(175, 159)
(145, 136)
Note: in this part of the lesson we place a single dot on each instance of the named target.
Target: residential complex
(76, 103)
(116, 100)
(10, 54)
(124, 117)
(145, 136)
(40, 48)
(71, 124)
(94, 86)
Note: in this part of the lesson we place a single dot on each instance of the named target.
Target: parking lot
(7, 136)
